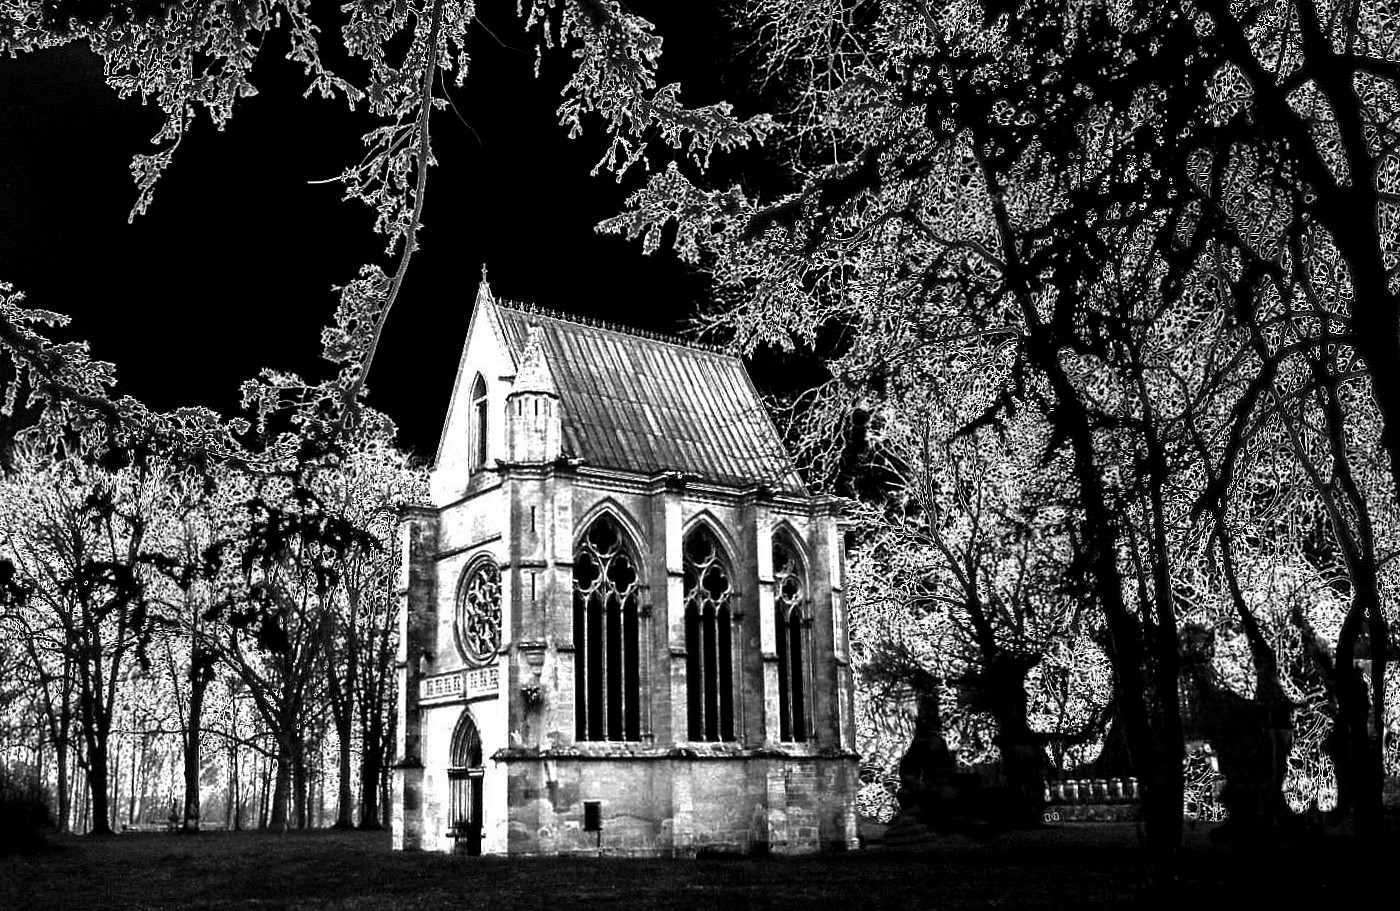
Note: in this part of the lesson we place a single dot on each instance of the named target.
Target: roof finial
(483, 290)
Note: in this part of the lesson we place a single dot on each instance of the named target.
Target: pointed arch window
(607, 665)
(794, 653)
(478, 423)
(709, 646)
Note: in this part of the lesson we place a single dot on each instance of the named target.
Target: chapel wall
(439, 722)
(416, 589)
(462, 533)
(682, 805)
(483, 354)
(468, 530)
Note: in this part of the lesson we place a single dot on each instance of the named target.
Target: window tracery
(708, 639)
(607, 666)
(478, 621)
(789, 598)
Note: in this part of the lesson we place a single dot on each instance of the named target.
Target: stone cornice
(695, 751)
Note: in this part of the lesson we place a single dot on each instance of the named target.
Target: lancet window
(789, 599)
(708, 639)
(478, 424)
(607, 666)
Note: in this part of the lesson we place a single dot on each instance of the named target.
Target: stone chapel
(622, 626)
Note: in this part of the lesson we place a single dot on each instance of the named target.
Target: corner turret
(533, 426)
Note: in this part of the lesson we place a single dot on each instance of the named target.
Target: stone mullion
(605, 662)
(644, 672)
(579, 608)
(696, 647)
(810, 698)
(596, 629)
(669, 568)
(709, 671)
(767, 622)
(630, 701)
(784, 693)
(784, 690)
(739, 713)
(843, 716)
(826, 633)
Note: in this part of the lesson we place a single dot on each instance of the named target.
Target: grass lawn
(1077, 866)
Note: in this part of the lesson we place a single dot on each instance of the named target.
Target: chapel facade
(622, 625)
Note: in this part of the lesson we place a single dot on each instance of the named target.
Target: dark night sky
(231, 269)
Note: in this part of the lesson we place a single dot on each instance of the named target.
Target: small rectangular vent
(592, 816)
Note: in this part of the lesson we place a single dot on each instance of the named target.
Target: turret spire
(534, 374)
(532, 408)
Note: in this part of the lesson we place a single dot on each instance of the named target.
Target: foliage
(303, 570)
(1106, 294)
(1137, 211)
(59, 375)
(958, 584)
(78, 537)
(193, 58)
(134, 586)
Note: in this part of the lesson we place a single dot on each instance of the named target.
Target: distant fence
(1091, 799)
(168, 826)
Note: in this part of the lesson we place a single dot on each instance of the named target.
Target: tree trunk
(1356, 754)
(281, 794)
(386, 793)
(97, 785)
(1138, 682)
(144, 769)
(377, 735)
(369, 788)
(1273, 702)
(61, 786)
(233, 816)
(1158, 763)
(263, 779)
(301, 781)
(345, 815)
(198, 684)
(135, 765)
(65, 783)
(1376, 336)
(1022, 750)
(84, 808)
(115, 789)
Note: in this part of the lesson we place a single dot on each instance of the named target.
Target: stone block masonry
(668, 804)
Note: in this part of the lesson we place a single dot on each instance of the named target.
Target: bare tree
(78, 534)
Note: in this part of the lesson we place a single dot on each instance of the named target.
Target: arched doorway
(464, 785)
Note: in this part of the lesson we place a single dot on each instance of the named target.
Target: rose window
(479, 613)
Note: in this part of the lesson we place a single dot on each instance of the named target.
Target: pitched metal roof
(641, 402)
